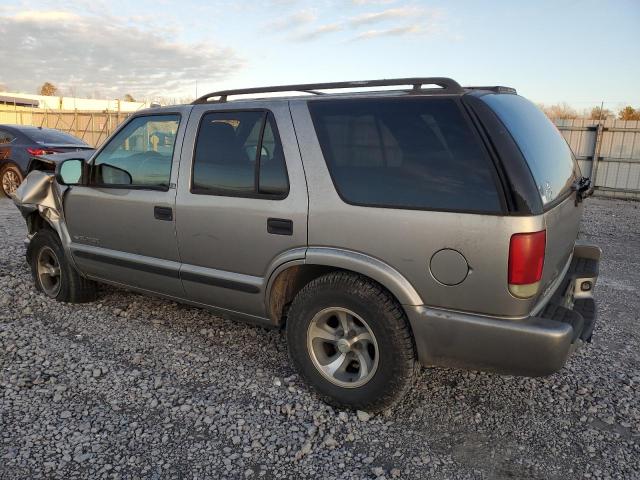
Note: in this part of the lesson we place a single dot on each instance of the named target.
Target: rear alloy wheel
(349, 338)
(10, 179)
(342, 347)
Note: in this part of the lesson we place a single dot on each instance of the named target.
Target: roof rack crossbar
(447, 85)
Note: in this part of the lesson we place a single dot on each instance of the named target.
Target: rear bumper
(533, 346)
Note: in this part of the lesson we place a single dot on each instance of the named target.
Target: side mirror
(70, 171)
(113, 175)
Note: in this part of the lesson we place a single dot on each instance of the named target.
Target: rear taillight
(526, 261)
(42, 151)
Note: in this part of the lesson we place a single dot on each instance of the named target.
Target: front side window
(140, 155)
(239, 154)
(416, 153)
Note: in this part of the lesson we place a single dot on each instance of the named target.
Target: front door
(240, 205)
(122, 224)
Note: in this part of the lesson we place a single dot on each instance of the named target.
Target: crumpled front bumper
(537, 345)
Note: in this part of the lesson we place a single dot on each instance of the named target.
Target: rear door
(554, 170)
(241, 203)
(122, 225)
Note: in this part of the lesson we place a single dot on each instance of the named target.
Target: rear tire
(10, 179)
(369, 366)
(53, 274)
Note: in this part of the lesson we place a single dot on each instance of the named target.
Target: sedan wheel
(11, 180)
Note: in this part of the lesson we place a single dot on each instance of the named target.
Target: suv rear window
(50, 136)
(550, 159)
(417, 153)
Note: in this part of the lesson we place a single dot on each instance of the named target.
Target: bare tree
(48, 89)
(629, 113)
(598, 113)
(560, 110)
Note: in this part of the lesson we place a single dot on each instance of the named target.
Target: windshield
(550, 159)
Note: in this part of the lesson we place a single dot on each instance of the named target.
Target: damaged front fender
(40, 199)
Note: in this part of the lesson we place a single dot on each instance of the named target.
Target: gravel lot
(136, 387)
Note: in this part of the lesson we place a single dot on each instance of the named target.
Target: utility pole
(601, 107)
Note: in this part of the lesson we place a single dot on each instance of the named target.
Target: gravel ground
(137, 387)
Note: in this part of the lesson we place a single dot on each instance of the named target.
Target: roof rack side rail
(495, 88)
(447, 85)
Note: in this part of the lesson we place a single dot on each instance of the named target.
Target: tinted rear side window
(50, 136)
(226, 160)
(549, 157)
(417, 153)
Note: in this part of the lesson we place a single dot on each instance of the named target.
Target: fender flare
(371, 267)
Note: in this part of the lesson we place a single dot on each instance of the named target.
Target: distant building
(9, 99)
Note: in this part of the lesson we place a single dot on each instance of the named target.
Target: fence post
(93, 131)
(596, 155)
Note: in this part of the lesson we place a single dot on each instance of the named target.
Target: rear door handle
(280, 226)
(163, 213)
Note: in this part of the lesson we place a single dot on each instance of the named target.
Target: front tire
(10, 179)
(349, 338)
(52, 273)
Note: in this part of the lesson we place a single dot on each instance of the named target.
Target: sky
(577, 51)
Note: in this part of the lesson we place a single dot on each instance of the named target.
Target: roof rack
(447, 86)
(496, 89)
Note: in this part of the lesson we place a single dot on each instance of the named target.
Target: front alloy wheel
(53, 274)
(49, 274)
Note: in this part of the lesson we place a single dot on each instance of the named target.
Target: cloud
(423, 21)
(318, 32)
(390, 14)
(89, 53)
(372, 2)
(295, 20)
(390, 32)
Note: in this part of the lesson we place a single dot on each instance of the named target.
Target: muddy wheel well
(290, 281)
(35, 222)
